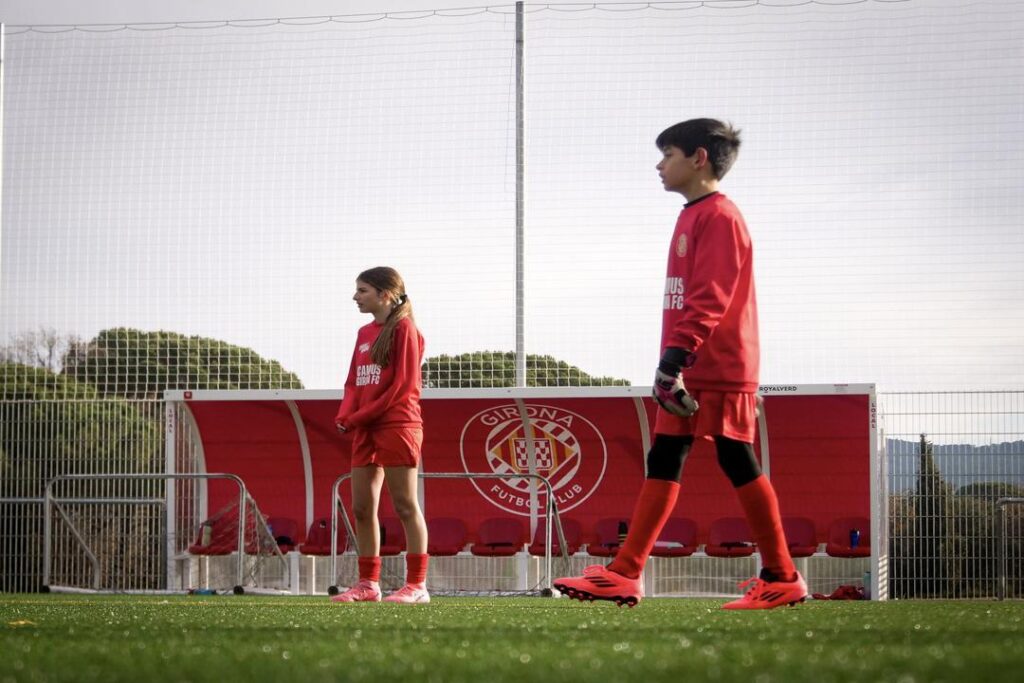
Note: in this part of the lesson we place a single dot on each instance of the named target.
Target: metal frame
(551, 516)
(49, 500)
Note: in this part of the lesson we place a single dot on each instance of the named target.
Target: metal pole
(47, 536)
(1001, 551)
(170, 491)
(242, 495)
(3, 52)
(520, 237)
(1001, 542)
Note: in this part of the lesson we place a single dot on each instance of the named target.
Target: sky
(137, 11)
(231, 182)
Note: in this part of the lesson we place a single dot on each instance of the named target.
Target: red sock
(416, 568)
(369, 569)
(653, 507)
(762, 510)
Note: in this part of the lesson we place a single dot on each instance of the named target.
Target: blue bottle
(854, 538)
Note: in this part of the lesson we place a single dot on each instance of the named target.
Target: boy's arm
(403, 370)
(720, 251)
(718, 257)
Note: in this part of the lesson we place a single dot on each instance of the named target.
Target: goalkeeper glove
(669, 390)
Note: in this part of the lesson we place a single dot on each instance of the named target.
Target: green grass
(227, 638)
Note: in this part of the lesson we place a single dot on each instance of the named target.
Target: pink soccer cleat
(364, 591)
(770, 594)
(600, 583)
(410, 594)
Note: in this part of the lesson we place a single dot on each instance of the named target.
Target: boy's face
(679, 172)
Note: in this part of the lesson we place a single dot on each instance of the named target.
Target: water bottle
(206, 536)
(623, 530)
(854, 538)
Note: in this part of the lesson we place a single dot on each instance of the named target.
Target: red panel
(257, 441)
(330, 454)
(590, 448)
(820, 459)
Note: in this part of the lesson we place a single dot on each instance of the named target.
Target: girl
(381, 410)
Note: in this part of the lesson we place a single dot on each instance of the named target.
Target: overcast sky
(880, 175)
(134, 11)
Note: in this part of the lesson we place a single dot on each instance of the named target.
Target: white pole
(170, 518)
(520, 237)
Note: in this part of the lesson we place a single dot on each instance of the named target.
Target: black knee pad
(737, 461)
(667, 455)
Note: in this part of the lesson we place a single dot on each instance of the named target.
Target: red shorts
(397, 447)
(729, 414)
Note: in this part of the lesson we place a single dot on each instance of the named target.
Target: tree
(929, 571)
(129, 363)
(42, 348)
(498, 369)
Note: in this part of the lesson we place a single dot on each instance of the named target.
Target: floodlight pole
(3, 52)
(520, 174)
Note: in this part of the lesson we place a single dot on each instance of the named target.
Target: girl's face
(370, 300)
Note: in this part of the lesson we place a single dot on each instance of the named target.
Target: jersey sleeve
(348, 399)
(720, 250)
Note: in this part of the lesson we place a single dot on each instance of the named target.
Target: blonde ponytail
(380, 352)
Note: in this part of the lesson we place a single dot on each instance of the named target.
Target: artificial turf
(248, 638)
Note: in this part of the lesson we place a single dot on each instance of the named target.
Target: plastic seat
(392, 536)
(446, 536)
(849, 537)
(218, 535)
(285, 532)
(678, 538)
(801, 536)
(729, 537)
(606, 533)
(318, 538)
(499, 537)
(571, 529)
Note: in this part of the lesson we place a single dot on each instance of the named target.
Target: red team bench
(818, 444)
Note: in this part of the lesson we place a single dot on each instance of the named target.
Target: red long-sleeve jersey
(378, 397)
(710, 307)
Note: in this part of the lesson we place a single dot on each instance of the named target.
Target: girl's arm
(348, 400)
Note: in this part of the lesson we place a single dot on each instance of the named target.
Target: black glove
(669, 390)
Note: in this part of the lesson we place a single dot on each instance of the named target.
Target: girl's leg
(366, 484)
(402, 483)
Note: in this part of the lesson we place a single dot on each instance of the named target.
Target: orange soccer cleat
(600, 583)
(770, 594)
(364, 591)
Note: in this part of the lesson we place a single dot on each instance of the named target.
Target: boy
(709, 335)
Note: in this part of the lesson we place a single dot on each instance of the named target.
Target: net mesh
(188, 205)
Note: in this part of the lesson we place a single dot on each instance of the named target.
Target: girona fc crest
(564, 447)
(681, 246)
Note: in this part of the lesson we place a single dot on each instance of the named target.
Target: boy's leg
(620, 581)
(779, 583)
(760, 505)
(655, 504)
